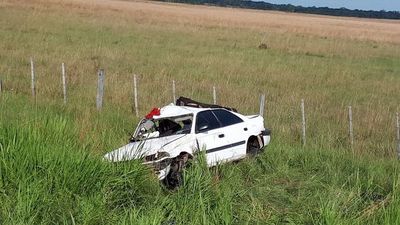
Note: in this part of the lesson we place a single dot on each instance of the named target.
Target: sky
(388, 5)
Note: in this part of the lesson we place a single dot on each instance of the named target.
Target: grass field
(50, 167)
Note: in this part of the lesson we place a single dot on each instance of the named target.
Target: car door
(209, 137)
(235, 133)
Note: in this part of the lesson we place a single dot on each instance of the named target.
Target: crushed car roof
(173, 110)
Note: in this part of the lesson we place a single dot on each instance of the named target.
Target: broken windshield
(163, 127)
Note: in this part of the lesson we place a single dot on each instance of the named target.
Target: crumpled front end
(156, 153)
(162, 135)
(160, 163)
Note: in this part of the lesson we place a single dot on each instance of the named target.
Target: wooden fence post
(351, 127)
(100, 89)
(262, 102)
(214, 95)
(398, 135)
(303, 120)
(64, 83)
(33, 79)
(173, 92)
(135, 95)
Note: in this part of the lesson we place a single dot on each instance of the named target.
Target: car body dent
(140, 149)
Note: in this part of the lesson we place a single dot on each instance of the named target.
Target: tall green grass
(49, 175)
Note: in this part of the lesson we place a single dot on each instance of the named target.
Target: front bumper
(162, 174)
(161, 167)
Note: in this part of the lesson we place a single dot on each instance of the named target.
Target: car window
(206, 118)
(150, 128)
(226, 118)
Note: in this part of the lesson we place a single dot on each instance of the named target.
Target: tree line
(382, 14)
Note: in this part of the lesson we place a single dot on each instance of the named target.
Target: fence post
(1, 86)
(214, 95)
(262, 102)
(64, 83)
(303, 120)
(100, 89)
(351, 127)
(173, 92)
(33, 79)
(135, 95)
(398, 134)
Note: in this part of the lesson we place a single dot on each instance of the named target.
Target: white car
(172, 135)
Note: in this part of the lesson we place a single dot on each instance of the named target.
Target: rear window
(226, 118)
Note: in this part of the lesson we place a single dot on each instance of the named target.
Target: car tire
(174, 179)
(253, 146)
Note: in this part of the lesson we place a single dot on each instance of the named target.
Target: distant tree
(291, 8)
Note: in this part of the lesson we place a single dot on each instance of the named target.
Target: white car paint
(221, 145)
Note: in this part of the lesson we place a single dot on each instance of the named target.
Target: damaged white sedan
(172, 135)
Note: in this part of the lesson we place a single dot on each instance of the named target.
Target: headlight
(161, 155)
(157, 156)
(159, 165)
(162, 164)
(150, 158)
(158, 161)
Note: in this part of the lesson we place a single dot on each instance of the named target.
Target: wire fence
(135, 105)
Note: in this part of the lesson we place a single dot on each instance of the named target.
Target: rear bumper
(266, 136)
(266, 132)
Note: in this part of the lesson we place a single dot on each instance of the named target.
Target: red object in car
(153, 112)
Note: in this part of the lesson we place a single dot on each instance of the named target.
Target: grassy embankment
(50, 167)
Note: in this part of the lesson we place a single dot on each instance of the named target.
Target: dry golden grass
(256, 20)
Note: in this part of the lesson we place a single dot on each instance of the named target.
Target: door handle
(221, 135)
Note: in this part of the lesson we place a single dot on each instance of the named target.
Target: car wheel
(253, 147)
(174, 179)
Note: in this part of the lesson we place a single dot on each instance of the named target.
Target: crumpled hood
(139, 149)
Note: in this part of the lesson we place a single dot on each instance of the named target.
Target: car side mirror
(203, 128)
